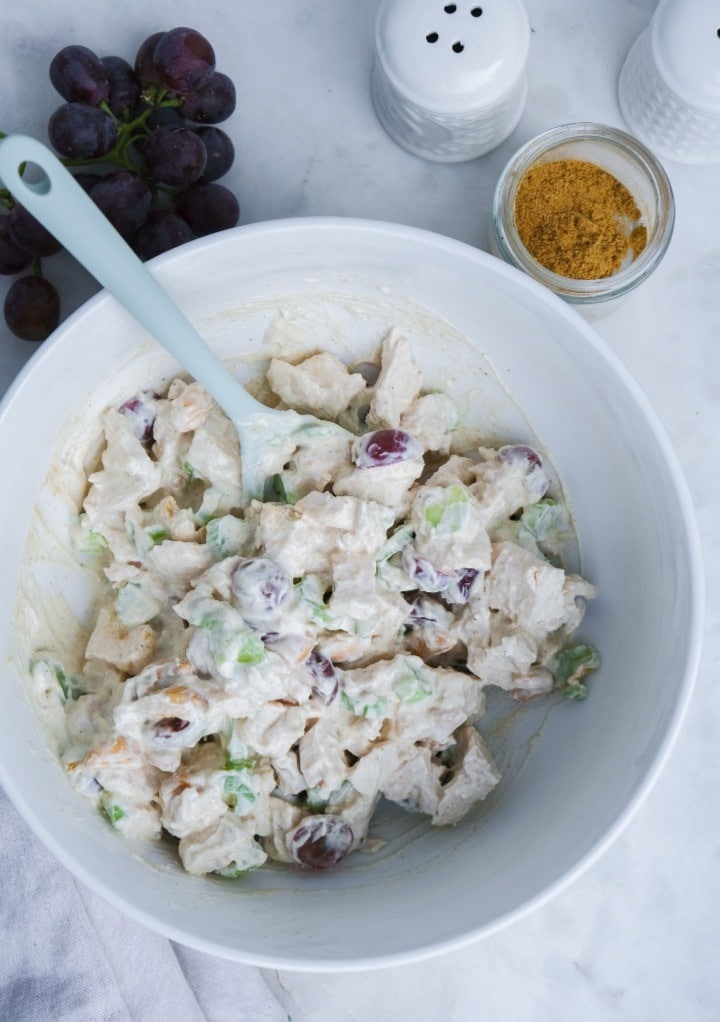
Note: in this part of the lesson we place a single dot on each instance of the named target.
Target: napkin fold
(66, 955)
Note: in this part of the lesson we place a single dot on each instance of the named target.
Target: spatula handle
(61, 205)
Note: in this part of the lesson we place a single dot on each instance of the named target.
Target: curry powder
(577, 220)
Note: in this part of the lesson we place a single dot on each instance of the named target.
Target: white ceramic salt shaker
(669, 86)
(449, 80)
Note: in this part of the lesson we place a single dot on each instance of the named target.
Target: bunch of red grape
(147, 150)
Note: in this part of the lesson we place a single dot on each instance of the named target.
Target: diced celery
(544, 520)
(312, 590)
(411, 689)
(240, 764)
(274, 491)
(226, 536)
(448, 513)
(251, 650)
(53, 670)
(318, 802)
(135, 606)
(112, 810)
(395, 542)
(232, 871)
(371, 710)
(315, 800)
(571, 666)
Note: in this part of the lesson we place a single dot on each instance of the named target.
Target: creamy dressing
(260, 673)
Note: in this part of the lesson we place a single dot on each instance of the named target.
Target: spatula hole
(35, 178)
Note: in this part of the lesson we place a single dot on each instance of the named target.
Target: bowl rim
(332, 224)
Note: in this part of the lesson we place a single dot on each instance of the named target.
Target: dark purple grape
(82, 132)
(29, 233)
(220, 153)
(513, 453)
(13, 258)
(161, 231)
(260, 587)
(320, 842)
(183, 60)
(125, 89)
(166, 117)
(326, 681)
(424, 574)
(168, 727)
(32, 308)
(460, 588)
(144, 69)
(208, 208)
(175, 156)
(140, 413)
(386, 447)
(79, 76)
(211, 104)
(86, 180)
(125, 199)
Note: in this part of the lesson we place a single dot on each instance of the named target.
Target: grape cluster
(146, 147)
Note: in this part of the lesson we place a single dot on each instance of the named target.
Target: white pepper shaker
(449, 81)
(669, 86)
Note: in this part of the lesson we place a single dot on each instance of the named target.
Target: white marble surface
(635, 937)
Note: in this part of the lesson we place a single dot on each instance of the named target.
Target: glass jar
(632, 165)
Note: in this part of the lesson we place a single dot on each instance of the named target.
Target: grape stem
(129, 132)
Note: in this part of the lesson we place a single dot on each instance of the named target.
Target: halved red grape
(424, 574)
(321, 841)
(183, 60)
(458, 591)
(168, 727)
(386, 447)
(424, 611)
(140, 412)
(32, 308)
(326, 680)
(513, 453)
(260, 587)
(79, 75)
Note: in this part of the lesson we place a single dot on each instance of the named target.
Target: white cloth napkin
(66, 955)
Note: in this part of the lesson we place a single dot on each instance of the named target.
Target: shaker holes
(457, 46)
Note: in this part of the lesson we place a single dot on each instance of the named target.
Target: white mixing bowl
(574, 773)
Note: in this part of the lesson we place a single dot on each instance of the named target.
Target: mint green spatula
(60, 204)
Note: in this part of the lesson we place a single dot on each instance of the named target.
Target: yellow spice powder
(577, 219)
